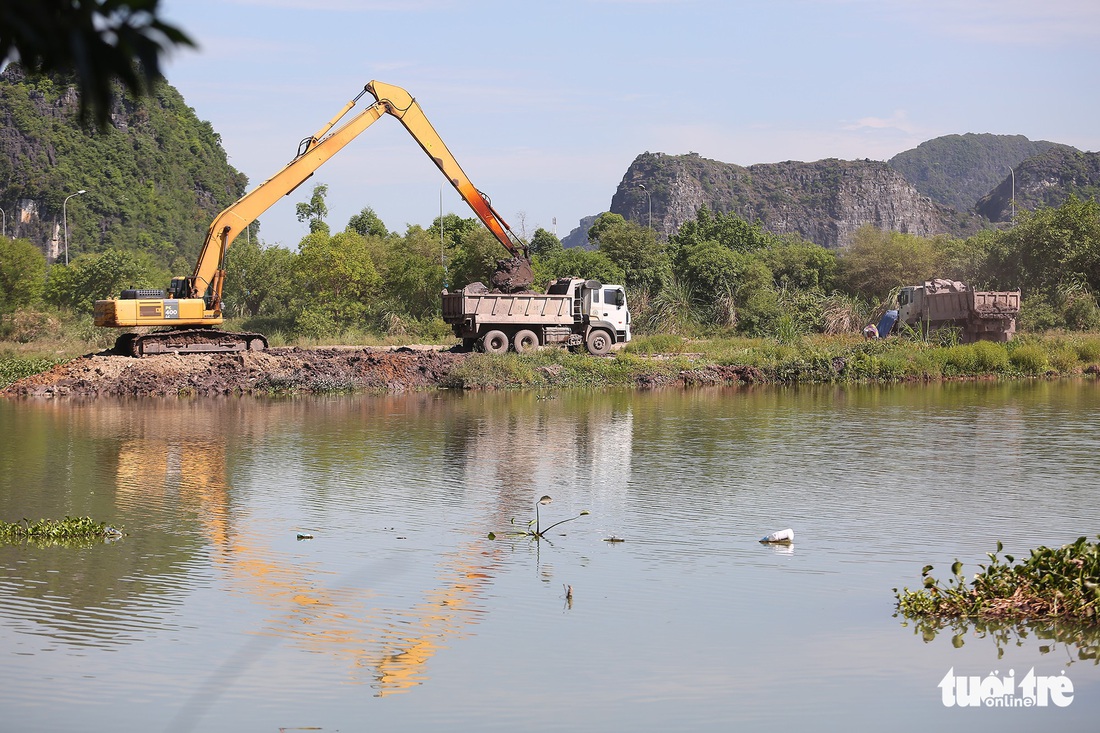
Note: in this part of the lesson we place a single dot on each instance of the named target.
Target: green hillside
(957, 170)
(1044, 180)
(155, 178)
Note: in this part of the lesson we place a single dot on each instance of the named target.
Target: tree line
(719, 274)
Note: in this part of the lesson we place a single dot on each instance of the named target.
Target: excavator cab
(179, 288)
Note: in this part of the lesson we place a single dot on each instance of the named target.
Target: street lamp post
(65, 217)
(1013, 173)
(4, 232)
(649, 200)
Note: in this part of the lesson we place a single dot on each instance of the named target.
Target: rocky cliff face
(824, 201)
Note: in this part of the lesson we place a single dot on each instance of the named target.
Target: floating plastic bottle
(784, 536)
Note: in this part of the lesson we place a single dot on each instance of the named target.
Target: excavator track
(188, 341)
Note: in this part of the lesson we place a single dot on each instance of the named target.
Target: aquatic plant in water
(1052, 583)
(69, 528)
(534, 527)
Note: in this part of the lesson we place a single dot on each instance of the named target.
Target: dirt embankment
(286, 370)
(276, 370)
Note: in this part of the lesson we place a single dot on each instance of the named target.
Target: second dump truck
(573, 312)
(981, 315)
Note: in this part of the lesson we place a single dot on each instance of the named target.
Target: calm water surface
(400, 613)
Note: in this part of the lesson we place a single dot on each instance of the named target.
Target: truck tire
(494, 342)
(598, 342)
(525, 342)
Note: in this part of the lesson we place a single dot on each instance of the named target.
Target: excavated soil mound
(276, 370)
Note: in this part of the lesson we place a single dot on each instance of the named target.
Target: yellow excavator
(192, 306)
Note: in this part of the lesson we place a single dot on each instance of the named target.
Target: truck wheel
(494, 342)
(525, 342)
(598, 342)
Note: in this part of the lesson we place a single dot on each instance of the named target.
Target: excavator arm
(313, 152)
(402, 106)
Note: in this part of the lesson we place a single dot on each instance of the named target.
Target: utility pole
(65, 216)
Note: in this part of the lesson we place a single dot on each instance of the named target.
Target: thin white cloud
(898, 121)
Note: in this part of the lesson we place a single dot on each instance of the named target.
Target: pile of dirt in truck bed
(275, 370)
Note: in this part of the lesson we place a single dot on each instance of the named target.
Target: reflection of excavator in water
(193, 305)
(310, 609)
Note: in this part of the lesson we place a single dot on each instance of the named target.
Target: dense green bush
(1030, 359)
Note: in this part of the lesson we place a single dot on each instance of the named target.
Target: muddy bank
(279, 370)
(292, 370)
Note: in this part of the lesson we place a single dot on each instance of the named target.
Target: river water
(210, 614)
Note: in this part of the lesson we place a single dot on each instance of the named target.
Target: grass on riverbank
(663, 359)
(1052, 583)
(854, 359)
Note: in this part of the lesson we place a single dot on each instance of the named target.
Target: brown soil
(513, 276)
(275, 370)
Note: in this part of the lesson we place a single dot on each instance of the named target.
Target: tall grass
(673, 310)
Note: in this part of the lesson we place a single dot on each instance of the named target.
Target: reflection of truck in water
(573, 312)
(981, 315)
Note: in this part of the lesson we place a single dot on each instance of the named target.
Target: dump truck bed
(506, 308)
(946, 306)
(996, 304)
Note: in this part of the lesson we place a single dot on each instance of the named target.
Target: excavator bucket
(513, 276)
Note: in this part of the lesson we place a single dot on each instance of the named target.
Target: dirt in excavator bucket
(513, 276)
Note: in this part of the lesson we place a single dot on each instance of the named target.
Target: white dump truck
(981, 315)
(573, 312)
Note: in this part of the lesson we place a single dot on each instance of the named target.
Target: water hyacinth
(69, 528)
(1052, 583)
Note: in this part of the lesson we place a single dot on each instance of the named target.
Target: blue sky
(545, 104)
